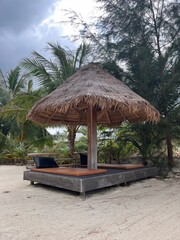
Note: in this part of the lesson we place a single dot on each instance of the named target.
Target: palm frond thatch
(91, 85)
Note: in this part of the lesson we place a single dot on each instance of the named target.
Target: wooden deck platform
(83, 184)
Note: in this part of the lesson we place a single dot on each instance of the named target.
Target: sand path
(147, 210)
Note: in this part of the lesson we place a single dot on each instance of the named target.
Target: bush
(161, 162)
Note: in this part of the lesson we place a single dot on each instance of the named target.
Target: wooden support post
(92, 137)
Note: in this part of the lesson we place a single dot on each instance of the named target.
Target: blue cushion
(45, 162)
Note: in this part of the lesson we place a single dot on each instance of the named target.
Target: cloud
(87, 10)
(15, 48)
(27, 25)
(23, 28)
(18, 15)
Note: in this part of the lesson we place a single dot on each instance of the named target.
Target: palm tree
(10, 85)
(51, 73)
(13, 83)
(17, 98)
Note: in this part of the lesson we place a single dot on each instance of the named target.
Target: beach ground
(148, 209)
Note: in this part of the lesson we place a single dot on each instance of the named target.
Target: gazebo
(92, 96)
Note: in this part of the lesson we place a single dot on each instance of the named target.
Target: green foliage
(17, 97)
(81, 145)
(3, 142)
(145, 138)
(13, 83)
(144, 36)
(161, 162)
(25, 131)
(60, 145)
(14, 152)
(20, 134)
(113, 145)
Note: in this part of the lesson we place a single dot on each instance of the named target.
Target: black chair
(83, 159)
(45, 162)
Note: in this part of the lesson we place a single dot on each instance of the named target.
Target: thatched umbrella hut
(89, 97)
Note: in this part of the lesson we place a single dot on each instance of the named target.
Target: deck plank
(70, 171)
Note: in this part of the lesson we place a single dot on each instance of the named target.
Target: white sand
(145, 210)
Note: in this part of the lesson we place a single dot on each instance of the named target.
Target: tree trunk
(169, 149)
(71, 138)
(144, 160)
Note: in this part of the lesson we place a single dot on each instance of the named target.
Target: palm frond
(15, 81)
(30, 86)
(85, 50)
(63, 59)
(51, 67)
(38, 70)
(3, 83)
(4, 93)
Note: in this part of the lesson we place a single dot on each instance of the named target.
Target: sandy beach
(148, 209)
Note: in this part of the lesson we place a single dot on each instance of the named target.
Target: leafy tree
(17, 99)
(114, 144)
(10, 85)
(13, 83)
(25, 131)
(145, 37)
(82, 141)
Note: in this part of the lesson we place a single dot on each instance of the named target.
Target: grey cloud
(14, 49)
(21, 32)
(17, 15)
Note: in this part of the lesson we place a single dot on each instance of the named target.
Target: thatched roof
(91, 85)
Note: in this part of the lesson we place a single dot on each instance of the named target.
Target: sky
(27, 25)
